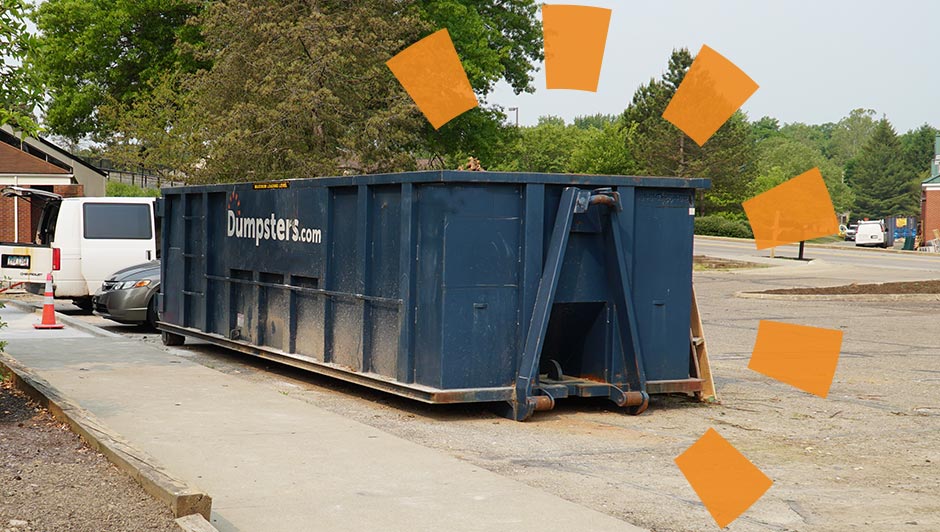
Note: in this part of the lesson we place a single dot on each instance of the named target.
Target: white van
(81, 241)
(871, 233)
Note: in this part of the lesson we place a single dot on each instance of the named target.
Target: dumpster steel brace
(635, 397)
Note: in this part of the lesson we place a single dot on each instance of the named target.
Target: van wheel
(172, 339)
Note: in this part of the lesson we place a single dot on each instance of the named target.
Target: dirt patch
(905, 287)
(702, 262)
(51, 481)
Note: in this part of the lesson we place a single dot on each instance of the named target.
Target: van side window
(128, 221)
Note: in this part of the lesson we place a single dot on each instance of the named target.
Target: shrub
(126, 190)
(714, 225)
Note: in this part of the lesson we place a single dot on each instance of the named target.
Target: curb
(66, 319)
(839, 297)
(182, 499)
(822, 246)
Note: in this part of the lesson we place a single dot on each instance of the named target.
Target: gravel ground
(51, 481)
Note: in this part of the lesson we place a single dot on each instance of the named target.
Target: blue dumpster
(444, 286)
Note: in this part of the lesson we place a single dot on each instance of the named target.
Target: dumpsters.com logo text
(267, 228)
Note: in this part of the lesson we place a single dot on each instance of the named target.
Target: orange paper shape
(799, 209)
(801, 356)
(575, 38)
(712, 90)
(724, 479)
(433, 76)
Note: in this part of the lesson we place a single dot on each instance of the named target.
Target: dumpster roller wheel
(635, 403)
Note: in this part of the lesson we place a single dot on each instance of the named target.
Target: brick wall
(29, 213)
(7, 222)
(931, 213)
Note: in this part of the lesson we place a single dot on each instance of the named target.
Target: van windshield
(128, 221)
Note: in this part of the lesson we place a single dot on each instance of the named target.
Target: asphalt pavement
(839, 254)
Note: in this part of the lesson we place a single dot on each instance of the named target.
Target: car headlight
(133, 284)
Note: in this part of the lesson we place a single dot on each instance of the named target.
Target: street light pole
(516, 109)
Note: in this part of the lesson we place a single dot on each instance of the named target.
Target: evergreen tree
(661, 149)
(881, 178)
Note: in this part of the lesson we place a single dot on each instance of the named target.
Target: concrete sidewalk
(271, 463)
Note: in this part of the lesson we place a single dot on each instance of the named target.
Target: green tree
(851, 134)
(545, 147)
(781, 158)
(881, 179)
(20, 91)
(765, 128)
(300, 89)
(596, 121)
(495, 39)
(918, 146)
(817, 137)
(605, 150)
(661, 149)
(92, 53)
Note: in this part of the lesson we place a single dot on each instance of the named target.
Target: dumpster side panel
(469, 249)
(662, 279)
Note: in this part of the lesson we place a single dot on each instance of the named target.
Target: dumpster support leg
(636, 399)
(524, 404)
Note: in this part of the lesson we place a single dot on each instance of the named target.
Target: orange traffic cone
(48, 309)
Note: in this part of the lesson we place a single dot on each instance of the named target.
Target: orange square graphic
(801, 356)
(712, 90)
(799, 209)
(724, 479)
(433, 76)
(575, 38)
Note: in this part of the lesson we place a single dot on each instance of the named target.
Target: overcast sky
(814, 60)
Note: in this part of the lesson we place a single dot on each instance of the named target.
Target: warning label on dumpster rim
(271, 185)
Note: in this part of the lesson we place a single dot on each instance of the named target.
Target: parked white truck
(81, 241)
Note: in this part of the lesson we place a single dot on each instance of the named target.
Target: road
(745, 250)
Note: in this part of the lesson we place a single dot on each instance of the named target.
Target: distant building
(930, 197)
(37, 163)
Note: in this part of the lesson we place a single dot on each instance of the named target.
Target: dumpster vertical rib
(406, 288)
(327, 274)
(363, 272)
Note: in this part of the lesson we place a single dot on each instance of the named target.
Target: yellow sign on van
(271, 185)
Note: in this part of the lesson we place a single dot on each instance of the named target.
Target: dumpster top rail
(458, 176)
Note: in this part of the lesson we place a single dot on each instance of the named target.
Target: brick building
(37, 163)
(930, 197)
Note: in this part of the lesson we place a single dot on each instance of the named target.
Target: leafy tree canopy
(94, 52)
(19, 91)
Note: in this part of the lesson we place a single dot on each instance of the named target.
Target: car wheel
(85, 304)
(152, 312)
(172, 339)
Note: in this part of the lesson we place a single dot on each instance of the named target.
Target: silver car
(129, 295)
